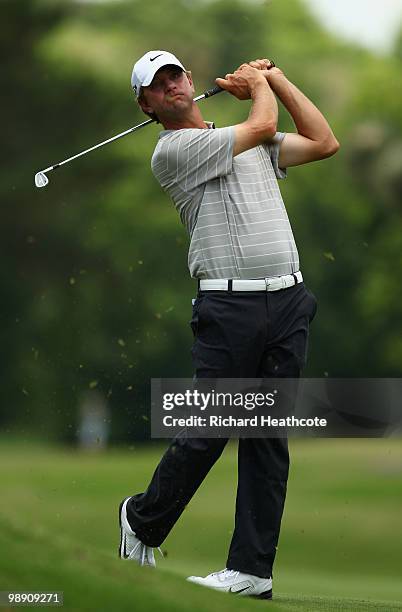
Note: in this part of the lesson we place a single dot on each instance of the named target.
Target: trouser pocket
(194, 321)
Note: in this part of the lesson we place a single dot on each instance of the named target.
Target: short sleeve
(273, 148)
(190, 157)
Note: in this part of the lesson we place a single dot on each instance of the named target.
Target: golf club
(41, 180)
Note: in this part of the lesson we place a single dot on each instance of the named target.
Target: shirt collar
(210, 124)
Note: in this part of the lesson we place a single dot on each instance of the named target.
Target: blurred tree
(398, 46)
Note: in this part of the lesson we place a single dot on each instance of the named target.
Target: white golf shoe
(231, 581)
(131, 548)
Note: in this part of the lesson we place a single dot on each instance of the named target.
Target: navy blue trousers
(236, 335)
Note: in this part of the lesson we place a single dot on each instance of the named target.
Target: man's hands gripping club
(242, 81)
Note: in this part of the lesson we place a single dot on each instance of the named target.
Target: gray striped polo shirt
(231, 206)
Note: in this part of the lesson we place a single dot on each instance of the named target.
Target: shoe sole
(264, 595)
(122, 548)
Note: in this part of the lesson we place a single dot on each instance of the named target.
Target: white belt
(274, 283)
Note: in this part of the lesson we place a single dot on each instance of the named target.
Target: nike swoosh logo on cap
(151, 59)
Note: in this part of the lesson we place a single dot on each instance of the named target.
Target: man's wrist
(258, 86)
(275, 77)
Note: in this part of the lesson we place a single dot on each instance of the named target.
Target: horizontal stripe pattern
(231, 207)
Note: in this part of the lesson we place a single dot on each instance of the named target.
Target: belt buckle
(268, 282)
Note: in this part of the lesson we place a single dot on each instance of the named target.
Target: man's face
(169, 95)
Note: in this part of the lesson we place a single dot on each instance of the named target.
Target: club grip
(212, 91)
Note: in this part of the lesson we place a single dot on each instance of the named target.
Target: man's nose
(170, 84)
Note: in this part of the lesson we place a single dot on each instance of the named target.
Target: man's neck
(193, 119)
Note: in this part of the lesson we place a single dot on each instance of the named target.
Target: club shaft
(101, 144)
(206, 94)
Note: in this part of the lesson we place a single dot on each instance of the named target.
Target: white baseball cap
(148, 65)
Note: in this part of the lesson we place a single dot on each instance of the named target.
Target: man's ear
(190, 79)
(144, 105)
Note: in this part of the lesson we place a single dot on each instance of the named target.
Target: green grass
(340, 547)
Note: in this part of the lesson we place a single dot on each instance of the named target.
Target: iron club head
(41, 179)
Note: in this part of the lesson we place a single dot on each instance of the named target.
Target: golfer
(252, 313)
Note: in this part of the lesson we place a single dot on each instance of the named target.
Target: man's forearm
(264, 107)
(261, 124)
(309, 121)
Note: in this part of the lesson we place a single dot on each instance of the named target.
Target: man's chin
(177, 106)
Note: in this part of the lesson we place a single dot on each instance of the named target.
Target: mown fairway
(340, 547)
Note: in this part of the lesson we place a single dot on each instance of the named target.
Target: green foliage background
(95, 287)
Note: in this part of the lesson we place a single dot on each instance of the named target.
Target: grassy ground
(340, 547)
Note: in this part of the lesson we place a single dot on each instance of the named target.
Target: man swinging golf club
(252, 313)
